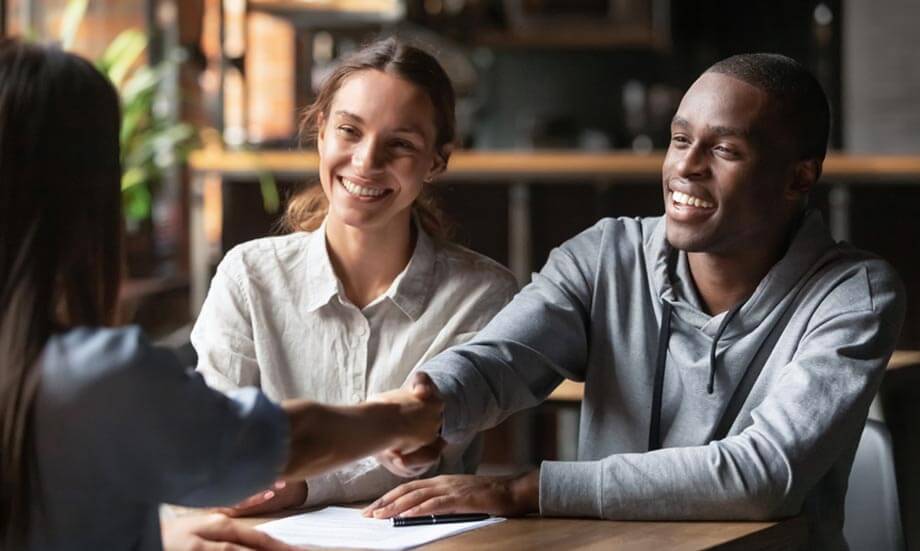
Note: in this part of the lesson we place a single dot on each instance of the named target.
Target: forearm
(324, 437)
(740, 478)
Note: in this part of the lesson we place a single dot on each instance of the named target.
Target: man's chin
(686, 241)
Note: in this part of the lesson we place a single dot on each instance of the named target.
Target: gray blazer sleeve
(152, 430)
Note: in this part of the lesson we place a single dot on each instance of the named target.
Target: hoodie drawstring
(715, 342)
(664, 334)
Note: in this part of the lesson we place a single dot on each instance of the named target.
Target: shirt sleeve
(527, 349)
(152, 430)
(813, 412)
(223, 335)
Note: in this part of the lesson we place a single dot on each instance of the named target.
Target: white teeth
(684, 199)
(361, 191)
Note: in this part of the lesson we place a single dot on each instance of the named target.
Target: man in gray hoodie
(729, 349)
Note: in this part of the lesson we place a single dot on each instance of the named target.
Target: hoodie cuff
(571, 489)
(452, 419)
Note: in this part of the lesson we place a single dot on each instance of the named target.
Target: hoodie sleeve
(811, 416)
(517, 360)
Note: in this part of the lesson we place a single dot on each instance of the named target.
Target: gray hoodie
(793, 372)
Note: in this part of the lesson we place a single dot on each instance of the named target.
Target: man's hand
(215, 532)
(504, 496)
(282, 495)
(420, 421)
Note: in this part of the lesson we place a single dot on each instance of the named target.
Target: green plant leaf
(134, 176)
(269, 188)
(71, 20)
(136, 202)
(122, 54)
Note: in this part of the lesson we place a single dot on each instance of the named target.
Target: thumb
(423, 387)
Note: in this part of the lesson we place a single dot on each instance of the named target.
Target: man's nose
(693, 163)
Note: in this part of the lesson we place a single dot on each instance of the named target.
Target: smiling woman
(366, 286)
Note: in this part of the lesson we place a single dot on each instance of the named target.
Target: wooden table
(570, 391)
(584, 534)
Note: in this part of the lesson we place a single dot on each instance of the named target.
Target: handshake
(417, 443)
(402, 427)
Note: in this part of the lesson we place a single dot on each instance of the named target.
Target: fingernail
(280, 484)
(268, 495)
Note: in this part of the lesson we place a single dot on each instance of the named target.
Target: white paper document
(345, 527)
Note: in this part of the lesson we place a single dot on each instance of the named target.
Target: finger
(259, 540)
(423, 457)
(231, 532)
(407, 501)
(395, 493)
(391, 461)
(221, 546)
(257, 508)
(423, 387)
(439, 505)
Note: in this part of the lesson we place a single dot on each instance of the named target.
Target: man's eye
(682, 140)
(403, 144)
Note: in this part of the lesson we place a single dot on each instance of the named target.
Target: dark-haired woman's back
(120, 426)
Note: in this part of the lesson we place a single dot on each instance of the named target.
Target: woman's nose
(367, 157)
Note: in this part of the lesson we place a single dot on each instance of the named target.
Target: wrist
(525, 492)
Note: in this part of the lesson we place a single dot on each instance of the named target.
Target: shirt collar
(411, 288)
(322, 284)
(409, 291)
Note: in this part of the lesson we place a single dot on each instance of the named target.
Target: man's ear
(440, 162)
(805, 175)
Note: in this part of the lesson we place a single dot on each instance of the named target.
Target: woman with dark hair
(365, 286)
(97, 427)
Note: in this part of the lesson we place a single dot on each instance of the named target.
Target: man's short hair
(795, 91)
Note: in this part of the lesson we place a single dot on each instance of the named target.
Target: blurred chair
(873, 516)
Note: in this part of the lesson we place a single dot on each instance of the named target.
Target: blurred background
(563, 112)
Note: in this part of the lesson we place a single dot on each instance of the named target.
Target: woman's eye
(346, 130)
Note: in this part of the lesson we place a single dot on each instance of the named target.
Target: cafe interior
(564, 112)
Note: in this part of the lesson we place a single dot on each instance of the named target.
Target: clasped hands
(409, 434)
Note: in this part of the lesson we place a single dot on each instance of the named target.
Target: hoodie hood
(710, 355)
(670, 272)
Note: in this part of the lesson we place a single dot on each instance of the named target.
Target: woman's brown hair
(60, 237)
(306, 210)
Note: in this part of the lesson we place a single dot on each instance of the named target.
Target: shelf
(542, 165)
(326, 13)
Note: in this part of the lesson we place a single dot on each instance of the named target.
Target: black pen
(439, 519)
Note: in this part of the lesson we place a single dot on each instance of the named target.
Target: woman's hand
(504, 496)
(324, 437)
(215, 532)
(282, 495)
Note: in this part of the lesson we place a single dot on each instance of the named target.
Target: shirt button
(356, 397)
(362, 331)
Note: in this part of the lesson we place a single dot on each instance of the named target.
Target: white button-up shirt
(276, 317)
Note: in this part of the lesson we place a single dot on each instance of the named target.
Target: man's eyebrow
(721, 131)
